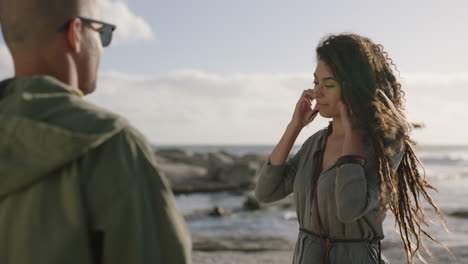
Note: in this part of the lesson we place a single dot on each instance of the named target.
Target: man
(78, 184)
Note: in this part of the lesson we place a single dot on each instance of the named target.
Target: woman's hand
(303, 112)
(301, 117)
(345, 118)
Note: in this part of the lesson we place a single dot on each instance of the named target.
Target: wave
(463, 175)
(448, 161)
(444, 157)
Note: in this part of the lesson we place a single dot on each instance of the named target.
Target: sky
(230, 72)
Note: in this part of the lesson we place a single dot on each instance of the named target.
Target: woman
(345, 177)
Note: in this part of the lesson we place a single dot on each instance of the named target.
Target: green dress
(347, 198)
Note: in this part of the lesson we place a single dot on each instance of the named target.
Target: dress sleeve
(275, 182)
(356, 189)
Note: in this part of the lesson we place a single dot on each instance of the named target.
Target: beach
(392, 249)
(281, 257)
(227, 228)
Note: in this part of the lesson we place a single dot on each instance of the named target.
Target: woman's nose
(317, 91)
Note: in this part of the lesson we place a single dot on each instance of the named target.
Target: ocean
(446, 169)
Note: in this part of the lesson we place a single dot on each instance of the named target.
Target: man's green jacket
(78, 184)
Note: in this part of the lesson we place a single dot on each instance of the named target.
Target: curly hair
(371, 91)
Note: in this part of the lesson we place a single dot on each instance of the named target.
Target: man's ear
(74, 35)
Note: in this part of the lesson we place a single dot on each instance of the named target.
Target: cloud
(446, 86)
(195, 107)
(438, 100)
(6, 63)
(130, 27)
(190, 106)
(198, 107)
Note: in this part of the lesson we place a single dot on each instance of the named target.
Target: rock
(251, 203)
(260, 158)
(241, 242)
(234, 157)
(187, 178)
(459, 214)
(241, 174)
(183, 156)
(175, 155)
(179, 173)
(215, 211)
(218, 161)
(208, 172)
(196, 215)
(219, 211)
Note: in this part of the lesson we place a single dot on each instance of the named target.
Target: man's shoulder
(48, 101)
(84, 117)
(87, 118)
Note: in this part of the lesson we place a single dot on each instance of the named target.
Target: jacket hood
(44, 125)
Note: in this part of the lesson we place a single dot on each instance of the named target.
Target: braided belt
(330, 242)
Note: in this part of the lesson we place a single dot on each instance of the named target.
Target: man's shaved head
(33, 23)
(32, 32)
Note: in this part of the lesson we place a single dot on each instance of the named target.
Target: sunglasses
(105, 30)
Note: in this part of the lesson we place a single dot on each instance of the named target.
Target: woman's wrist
(295, 126)
(280, 153)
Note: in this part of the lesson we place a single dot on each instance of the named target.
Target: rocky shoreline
(393, 255)
(190, 172)
(247, 248)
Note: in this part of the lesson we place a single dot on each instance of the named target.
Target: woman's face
(327, 91)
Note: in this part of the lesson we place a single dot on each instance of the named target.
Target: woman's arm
(356, 186)
(275, 179)
(280, 153)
